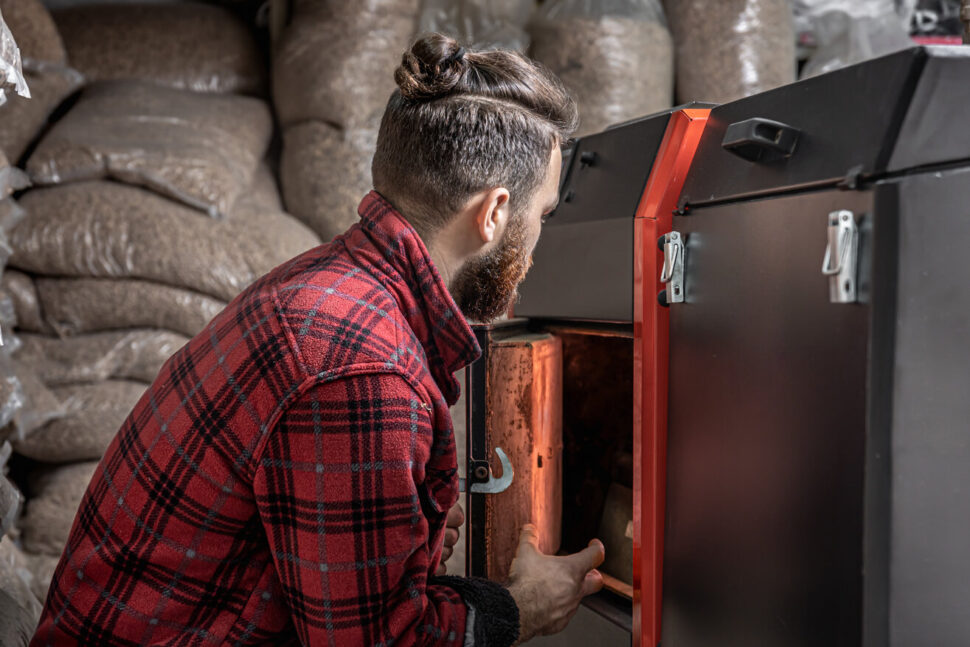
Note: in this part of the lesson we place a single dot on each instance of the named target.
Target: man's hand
(548, 589)
(456, 517)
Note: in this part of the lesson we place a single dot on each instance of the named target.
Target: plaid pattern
(287, 476)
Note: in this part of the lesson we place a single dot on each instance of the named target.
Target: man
(289, 475)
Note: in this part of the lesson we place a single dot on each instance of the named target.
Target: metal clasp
(482, 480)
(841, 256)
(673, 269)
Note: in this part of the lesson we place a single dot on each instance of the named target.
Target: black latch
(760, 140)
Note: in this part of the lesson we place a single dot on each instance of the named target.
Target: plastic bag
(11, 392)
(615, 57)
(47, 522)
(336, 60)
(34, 30)
(11, 179)
(730, 49)
(109, 230)
(849, 32)
(11, 69)
(93, 415)
(23, 293)
(77, 306)
(22, 120)
(201, 149)
(183, 45)
(40, 405)
(16, 581)
(480, 24)
(125, 354)
(325, 173)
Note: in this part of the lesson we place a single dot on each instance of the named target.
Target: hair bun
(434, 67)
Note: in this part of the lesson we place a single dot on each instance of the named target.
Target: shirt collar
(409, 273)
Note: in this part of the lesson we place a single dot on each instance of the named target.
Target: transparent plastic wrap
(616, 57)
(109, 230)
(479, 24)
(729, 49)
(16, 581)
(11, 213)
(11, 69)
(34, 29)
(40, 406)
(190, 46)
(11, 392)
(848, 32)
(10, 498)
(93, 414)
(200, 149)
(325, 172)
(46, 524)
(335, 62)
(77, 306)
(23, 293)
(124, 354)
(22, 120)
(11, 178)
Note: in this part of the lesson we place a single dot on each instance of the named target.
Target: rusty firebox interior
(560, 403)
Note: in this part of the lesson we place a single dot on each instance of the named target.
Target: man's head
(468, 151)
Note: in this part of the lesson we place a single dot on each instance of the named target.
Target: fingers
(529, 535)
(592, 583)
(456, 517)
(451, 536)
(588, 558)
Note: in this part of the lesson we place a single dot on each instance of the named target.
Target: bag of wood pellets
(479, 24)
(325, 172)
(110, 230)
(83, 305)
(49, 515)
(730, 49)
(191, 46)
(336, 60)
(23, 120)
(614, 56)
(93, 414)
(200, 149)
(136, 354)
(34, 30)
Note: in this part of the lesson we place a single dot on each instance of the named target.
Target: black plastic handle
(760, 140)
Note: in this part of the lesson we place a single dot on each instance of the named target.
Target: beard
(487, 286)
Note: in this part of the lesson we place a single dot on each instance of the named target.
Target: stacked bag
(19, 604)
(152, 207)
(333, 72)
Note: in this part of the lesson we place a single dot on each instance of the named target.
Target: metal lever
(843, 250)
(483, 482)
(673, 269)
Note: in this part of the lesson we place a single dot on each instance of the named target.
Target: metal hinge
(672, 274)
(841, 257)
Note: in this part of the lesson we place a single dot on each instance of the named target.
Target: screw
(481, 473)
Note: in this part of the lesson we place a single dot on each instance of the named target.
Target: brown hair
(461, 122)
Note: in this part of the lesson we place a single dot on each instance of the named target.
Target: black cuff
(496, 614)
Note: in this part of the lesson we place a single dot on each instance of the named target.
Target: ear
(492, 214)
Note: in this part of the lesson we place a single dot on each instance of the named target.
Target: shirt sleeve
(339, 491)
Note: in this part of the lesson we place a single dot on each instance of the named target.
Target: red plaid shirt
(288, 474)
